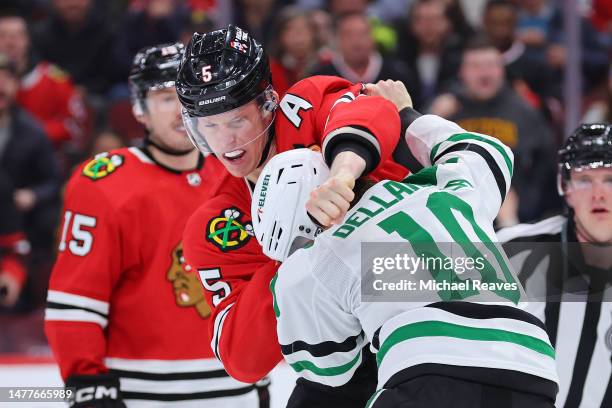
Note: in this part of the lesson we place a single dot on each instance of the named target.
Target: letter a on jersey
(291, 105)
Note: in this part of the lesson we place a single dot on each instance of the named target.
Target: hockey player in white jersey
(481, 351)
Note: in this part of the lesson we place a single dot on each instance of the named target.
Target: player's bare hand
(9, 290)
(445, 105)
(394, 91)
(331, 200)
(25, 199)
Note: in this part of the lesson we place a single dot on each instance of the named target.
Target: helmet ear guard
(560, 183)
(137, 108)
(278, 209)
(271, 102)
(270, 105)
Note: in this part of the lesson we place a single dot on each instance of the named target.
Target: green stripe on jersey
(433, 328)
(425, 177)
(272, 289)
(374, 397)
(325, 372)
(467, 136)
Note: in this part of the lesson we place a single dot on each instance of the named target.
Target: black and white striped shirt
(546, 255)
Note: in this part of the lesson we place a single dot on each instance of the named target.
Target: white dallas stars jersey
(324, 319)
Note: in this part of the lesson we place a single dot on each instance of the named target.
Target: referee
(567, 261)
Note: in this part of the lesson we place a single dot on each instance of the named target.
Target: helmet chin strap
(267, 147)
(148, 140)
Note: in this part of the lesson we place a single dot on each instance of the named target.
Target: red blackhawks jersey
(50, 96)
(120, 298)
(317, 112)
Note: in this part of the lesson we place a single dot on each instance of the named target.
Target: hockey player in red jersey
(122, 310)
(231, 110)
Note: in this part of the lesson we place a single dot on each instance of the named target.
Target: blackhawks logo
(227, 232)
(102, 165)
(188, 290)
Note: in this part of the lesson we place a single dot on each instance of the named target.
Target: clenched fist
(394, 91)
(329, 203)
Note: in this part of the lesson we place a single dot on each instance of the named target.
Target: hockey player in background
(566, 264)
(123, 315)
(451, 348)
(231, 110)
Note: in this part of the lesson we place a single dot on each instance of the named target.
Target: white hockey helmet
(278, 210)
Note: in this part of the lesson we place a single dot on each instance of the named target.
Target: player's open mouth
(600, 210)
(234, 155)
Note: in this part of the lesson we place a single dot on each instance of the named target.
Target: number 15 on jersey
(81, 237)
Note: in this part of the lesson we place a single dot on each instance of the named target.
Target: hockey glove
(95, 391)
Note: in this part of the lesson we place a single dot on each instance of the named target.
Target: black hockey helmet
(153, 68)
(590, 146)
(221, 71)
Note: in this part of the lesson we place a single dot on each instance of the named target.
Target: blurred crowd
(493, 66)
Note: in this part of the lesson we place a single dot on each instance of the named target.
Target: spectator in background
(430, 49)
(460, 25)
(530, 77)
(601, 19)
(601, 16)
(541, 28)
(340, 7)
(535, 22)
(13, 246)
(105, 142)
(294, 49)
(197, 21)
(45, 91)
(26, 156)
(325, 33)
(595, 58)
(357, 59)
(599, 108)
(158, 22)
(484, 104)
(388, 11)
(255, 16)
(473, 10)
(384, 35)
(80, 41)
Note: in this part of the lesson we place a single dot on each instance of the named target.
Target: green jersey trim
(425, 177)
(273, 290)
(374, 397)
(325, 372)
(432, 328)
(466, 136)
